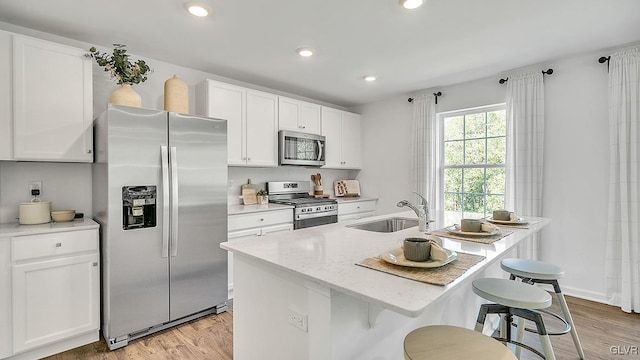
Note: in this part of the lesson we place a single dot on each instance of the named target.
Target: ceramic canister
(35, 212)
(176, 95)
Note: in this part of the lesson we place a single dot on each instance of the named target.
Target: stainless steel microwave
(295, 148)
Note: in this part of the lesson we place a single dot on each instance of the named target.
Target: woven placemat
(514, 226)
(477, 239)
(438, 276)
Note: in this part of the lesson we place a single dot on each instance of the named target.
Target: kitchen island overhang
(306, 286)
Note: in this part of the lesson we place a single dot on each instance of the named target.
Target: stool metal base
(568, 320)
(508, 313)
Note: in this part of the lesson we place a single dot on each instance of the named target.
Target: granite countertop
(247, 209)
(327, 255)
(15, 229)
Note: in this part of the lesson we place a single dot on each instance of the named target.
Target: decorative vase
(124, 95)
(176, 95)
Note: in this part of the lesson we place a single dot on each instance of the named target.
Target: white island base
(300, 295)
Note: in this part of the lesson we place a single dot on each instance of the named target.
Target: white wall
(575, 170)
(69, 185)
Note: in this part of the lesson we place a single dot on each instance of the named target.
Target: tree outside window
(474, 157)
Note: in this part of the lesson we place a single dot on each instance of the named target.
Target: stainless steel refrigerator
(159, 185)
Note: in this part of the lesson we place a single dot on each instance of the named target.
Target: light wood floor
(600, 327)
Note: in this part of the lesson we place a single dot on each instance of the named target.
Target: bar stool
(443, 342)
(511, 299)
(532, 272)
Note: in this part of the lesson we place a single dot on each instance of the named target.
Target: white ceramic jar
(35, 212)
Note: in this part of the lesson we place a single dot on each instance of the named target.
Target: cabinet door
(288, 110)
(6, 123)
(309, 118)
(52, 102)
(228, 102)
(262, 129)
(351, 141)
(332, 130)
(54, 300)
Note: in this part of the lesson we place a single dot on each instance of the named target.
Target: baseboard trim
(585, 294)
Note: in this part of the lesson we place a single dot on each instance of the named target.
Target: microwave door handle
(165, 200)
(320, 148)
(174, 201)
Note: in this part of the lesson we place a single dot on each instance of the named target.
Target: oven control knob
(318, 208)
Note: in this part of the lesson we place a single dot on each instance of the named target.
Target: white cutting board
(347, 188)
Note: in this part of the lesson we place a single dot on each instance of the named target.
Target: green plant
(262, 192)
(119, 66)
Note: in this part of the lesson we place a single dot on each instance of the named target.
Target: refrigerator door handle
(165, 200)
(174, 201)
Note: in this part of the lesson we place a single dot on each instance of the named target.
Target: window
(474, 154)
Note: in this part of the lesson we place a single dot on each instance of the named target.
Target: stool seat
(453, 343)
(511, 293)
(532, 269)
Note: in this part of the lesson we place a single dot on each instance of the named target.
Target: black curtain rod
(439, 93)
(604, 59)
(544, 72)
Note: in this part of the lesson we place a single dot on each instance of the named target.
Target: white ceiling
(444, 42)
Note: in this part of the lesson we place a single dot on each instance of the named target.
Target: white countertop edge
(413, 308)
(248, 209)
(15, 229)
(349, 199)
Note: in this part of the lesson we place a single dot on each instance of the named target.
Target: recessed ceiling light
(198, 10)
(369, 78)
(305, 52)
(411, 4)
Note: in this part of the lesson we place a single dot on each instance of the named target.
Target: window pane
(473, 180)
(494, 202)
(453, 128)
(453, 152)
(473, 205)
(496, 123)
(495, 181)
(474, 126)
(475, 151)
(496, 150)
(453, 180)
(452, 202)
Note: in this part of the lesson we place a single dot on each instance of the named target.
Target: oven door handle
(316, 215)
(319, 148)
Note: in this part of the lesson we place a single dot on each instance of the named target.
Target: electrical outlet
(34, 185)
(297, 319)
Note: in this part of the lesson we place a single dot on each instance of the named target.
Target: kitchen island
(300, 294)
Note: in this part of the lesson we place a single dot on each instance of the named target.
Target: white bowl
(63, 215)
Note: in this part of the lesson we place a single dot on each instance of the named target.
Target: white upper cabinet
(52, 101)
(252, 121)
(342, 132)
(299, 116)
(6, 123)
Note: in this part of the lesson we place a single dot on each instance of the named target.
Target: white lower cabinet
(53, 292)
(356, 209)
(256, 224)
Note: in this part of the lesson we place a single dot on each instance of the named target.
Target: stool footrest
(566, 330)
(521, 345)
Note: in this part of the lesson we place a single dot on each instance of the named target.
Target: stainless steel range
(308, 211)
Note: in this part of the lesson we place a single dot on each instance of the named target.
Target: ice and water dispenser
(138, 207)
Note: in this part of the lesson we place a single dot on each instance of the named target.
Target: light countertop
(15, 229)
(327, 255)
(354, 199)
(248, 209)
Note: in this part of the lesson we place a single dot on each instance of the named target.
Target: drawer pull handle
(58, 244)
(95, 264)
(261, 219)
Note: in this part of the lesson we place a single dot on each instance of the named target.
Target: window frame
(463, 112)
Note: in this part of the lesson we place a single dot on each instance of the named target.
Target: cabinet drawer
(356, 207)
(53, 244)
(259, 219)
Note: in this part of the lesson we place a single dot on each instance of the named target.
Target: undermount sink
(387, 225)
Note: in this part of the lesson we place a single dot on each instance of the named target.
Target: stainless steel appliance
(295, 148)
(159, 184)
(308, 211)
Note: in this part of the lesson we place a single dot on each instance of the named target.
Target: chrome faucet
(421, 210)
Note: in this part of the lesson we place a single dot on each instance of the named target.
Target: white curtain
(425, 152)
(525, 139)
(622, 266)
